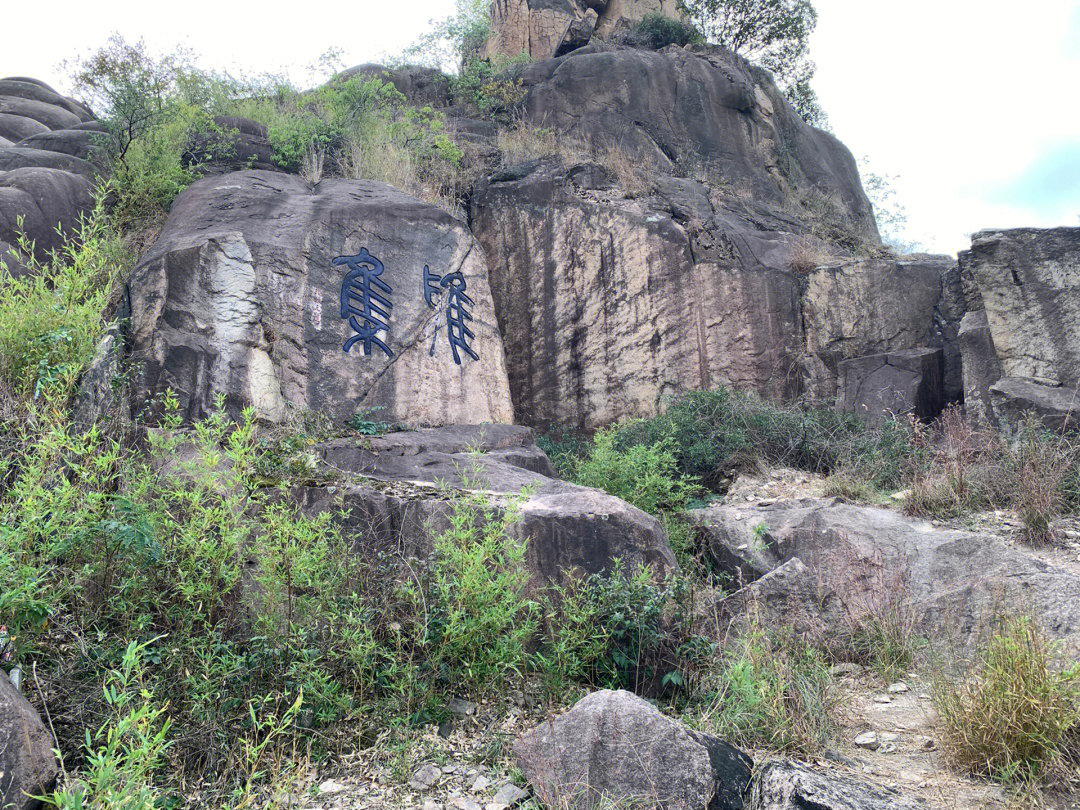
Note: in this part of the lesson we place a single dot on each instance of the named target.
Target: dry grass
(807, 254)
(520, 143)
(1010, 715)
(634, 174)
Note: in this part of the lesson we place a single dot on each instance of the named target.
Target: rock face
(28, 766)
(337, 298)
(1026, 284)
(840, 561)
(546, 28)
(44, 176)
(403, 503)
(615, 746)
(608, 305)
(783, 785)
(237, 143)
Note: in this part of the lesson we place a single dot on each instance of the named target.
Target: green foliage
(493, 84)
(52, 316)
(889, 213)
(625, 630)
(645, 475)
(774, 34)
(774, 691)
(453, 40)
(713, 434)
(123, 754)
(480, 621)
(655, 31)
(1013, 715)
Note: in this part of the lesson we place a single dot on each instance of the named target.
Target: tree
(129, 88)
(889, 212)
(774, 34)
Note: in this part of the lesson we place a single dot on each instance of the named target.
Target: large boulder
(16, 127)
(838, 561)
(39, 91)
(1055, 407)
(23, 157)
(51, 115)
(547, 28)
(396, 487)
(705, 112)
(28, 766)
(613, 746)
(85, 144)
(879, 385)
(785, 785)
(233, 143)
(981, 366)
(43, 199)
(338, 298)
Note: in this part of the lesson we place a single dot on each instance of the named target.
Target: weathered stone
(20, 157)
(16, 127)
(50, 115)
(44, 199)
(570, 530)
(85, 144)
(28, 766)
(1028, 281)
(877, 386)
(97, 397)
(740, 557)
(854, 560)
(615, 746)
(39, 91)
(867, 307)
(235, 143)
(547, 28)
(241, 297)
(982, 367)
(1055, 407)
(784, 785)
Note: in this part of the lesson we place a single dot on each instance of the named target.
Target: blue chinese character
(457, 313)
(365, 301)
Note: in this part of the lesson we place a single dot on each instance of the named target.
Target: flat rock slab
(335, 298)
(783, 785)
(895, 383)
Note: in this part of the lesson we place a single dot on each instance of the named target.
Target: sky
(971, 107)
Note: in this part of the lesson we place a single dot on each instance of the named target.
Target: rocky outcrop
(613, 746)
(835, 562)
(547, 28)
(785, 785)
(396, 490)
(45, 176)
(341, 297)
(1022, 352)
(28, 766)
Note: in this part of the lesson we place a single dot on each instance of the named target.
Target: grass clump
(772, 690)
(1012, 716)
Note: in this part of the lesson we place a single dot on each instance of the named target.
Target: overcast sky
(975, 112)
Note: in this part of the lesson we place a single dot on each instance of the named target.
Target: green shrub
(480, 623)
(624, 630)
(52, 317)
(656, 31)
(773, 691)
(493, 84)
(1012, 716)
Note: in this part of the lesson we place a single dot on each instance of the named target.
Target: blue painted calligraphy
(457, 312)
(365, 301)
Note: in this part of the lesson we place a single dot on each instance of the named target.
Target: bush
(623, 630)
(493, 84)
(1011, 716)
(655, 31)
